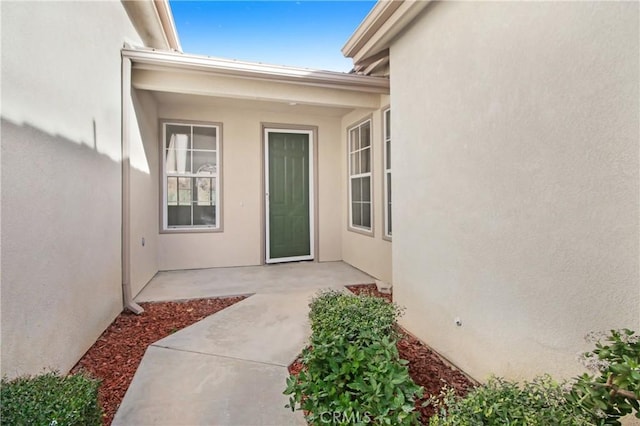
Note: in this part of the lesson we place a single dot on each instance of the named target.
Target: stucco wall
(241, 241)
(61, 178)
(369, 253)
(516, 180)
(143, 189)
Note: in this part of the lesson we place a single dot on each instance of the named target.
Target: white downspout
(127, 298)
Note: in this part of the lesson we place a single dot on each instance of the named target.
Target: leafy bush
(615, 391)
(355, 317)
(50, 399)
(353, 372)
(540, 402)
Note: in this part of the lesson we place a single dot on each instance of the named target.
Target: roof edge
(154, 22)
(380, 13)
(385, 21)
(155, 59)
(168, 24)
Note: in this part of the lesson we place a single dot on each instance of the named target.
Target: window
(191, 183)
(387, 172)
(360, 176)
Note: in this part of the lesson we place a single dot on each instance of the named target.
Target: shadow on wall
(61, 248)
(144, 190)
(143, 145)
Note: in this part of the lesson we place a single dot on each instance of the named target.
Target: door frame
(268, 128)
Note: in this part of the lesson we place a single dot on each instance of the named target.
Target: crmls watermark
(337, 417)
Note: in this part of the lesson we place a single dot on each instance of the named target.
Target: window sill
(360, 231)
(191, 230)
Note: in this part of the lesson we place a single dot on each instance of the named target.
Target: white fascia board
(153, 21)
(162, 60)
(370, 24)
(163, 10)
(385, 21)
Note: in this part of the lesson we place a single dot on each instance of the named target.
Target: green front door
(288, 200)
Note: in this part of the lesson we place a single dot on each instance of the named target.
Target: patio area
(275, 278)
(231, 367)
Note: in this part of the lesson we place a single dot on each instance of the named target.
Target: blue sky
(303, 33)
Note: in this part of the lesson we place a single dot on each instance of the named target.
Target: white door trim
(311, 255)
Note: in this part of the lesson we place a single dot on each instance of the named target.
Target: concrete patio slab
(269, 328)
(278, 278)
(175, 387)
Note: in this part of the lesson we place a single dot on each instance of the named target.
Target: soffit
(150, 59)
(369, 44)
(166, 98)
(221, 78)
(154, 22)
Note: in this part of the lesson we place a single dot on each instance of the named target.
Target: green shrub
(353, 373)
(50, 399)
(355, 317)
(540, 402)
(614, 392)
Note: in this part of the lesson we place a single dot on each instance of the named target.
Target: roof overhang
(173, 72)
(369, 44)
(154, 60)
(154, 22)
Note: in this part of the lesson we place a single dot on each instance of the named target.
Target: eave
(369, 44)
(148, 59)
(154, 22)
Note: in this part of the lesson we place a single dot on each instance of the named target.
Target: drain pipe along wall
(127, 297)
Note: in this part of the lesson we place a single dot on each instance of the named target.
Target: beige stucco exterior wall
(516, 180)
(241, 241)
(369, 253)
(61, 179)
(143, 189)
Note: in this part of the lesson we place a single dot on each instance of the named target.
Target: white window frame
(352, 175)
(386, 149)
(217, 175)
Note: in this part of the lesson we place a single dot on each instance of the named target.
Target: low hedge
(50, 399)
(335, 313)
(353, 372)
(540, 402)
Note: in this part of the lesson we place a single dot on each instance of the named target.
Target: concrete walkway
(230, 368)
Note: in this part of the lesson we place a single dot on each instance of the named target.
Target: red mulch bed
(426, 368)
(369, 290)
(116, 355)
